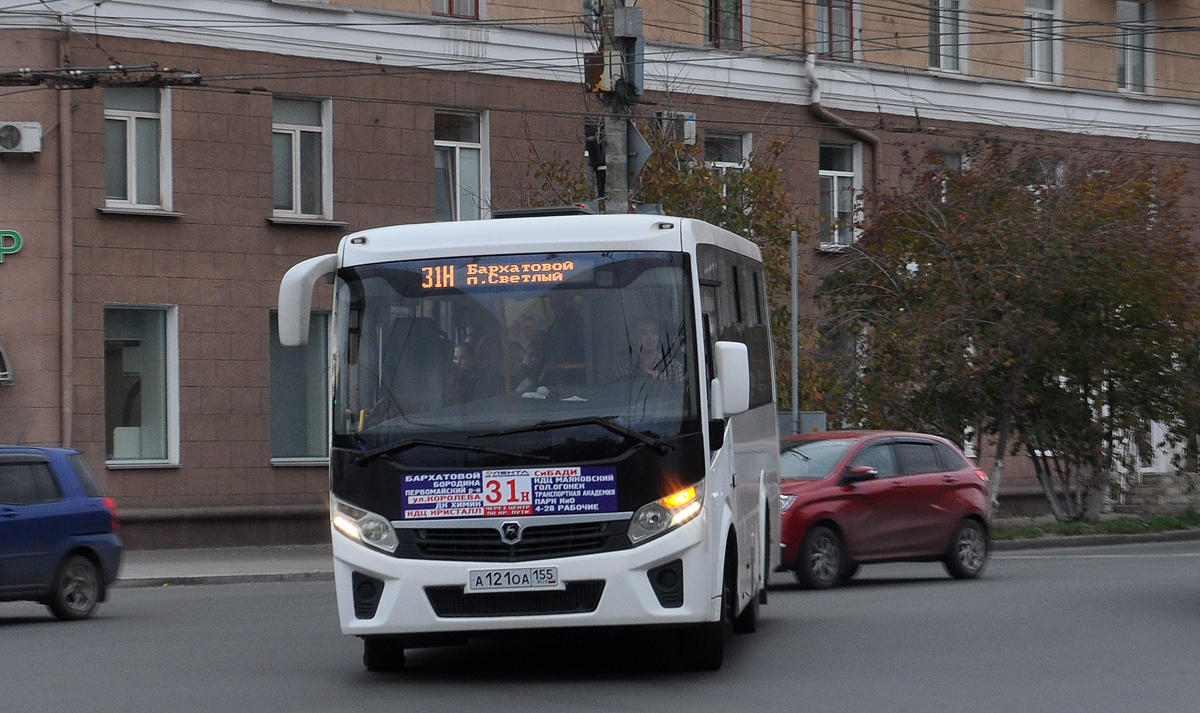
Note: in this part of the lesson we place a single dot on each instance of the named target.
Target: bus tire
(766, 577)
(702, 647)
(381, 654)
(747, 621)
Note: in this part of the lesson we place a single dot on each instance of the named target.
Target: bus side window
(708, 306)
(736, 287)
(758, 298)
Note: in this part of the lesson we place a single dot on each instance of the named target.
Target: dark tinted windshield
(470, 346)
(813, 460)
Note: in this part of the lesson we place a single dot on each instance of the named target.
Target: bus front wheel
(702, 647)
(382, 654)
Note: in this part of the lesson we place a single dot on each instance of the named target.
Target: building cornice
(399, 40)
(999, 103)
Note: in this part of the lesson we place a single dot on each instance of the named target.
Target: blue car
(59, 542)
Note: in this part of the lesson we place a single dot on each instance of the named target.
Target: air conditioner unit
(20, 137)
(678, 125)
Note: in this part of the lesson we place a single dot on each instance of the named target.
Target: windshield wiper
(363, 457)
(606, 422)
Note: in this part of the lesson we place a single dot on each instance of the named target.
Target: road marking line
(1108, 556)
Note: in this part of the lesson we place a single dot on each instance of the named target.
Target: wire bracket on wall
(115, 75)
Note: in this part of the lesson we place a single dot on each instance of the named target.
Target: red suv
(858, 497)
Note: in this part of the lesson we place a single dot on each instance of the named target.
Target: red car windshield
(813, 460)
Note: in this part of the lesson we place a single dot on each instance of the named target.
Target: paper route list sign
(509, 492)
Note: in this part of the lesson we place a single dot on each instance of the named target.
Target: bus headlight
(666, 514)
(365, 527)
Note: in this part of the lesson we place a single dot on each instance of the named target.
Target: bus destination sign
(510, 492)
(464, 275)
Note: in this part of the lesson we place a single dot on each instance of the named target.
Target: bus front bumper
(404, 605)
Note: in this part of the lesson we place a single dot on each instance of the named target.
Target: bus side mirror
(731, 389)
(295, 298)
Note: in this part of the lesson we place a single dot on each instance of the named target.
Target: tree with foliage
(1045, 300)
(751, 201)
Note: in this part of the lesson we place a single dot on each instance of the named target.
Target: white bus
(547, 422)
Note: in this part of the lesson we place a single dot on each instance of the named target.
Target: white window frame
(1146, 26)
(592, 20)
(128, 116)
(947, 157)
(724, 167)
(485, 176)
(294, 130)
(171, 347)
(1037, 49)
(943, 25)
(747, 147)
(325, 400)
(828, 241)
(6, 370)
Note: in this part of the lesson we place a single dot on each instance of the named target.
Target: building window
(724, 23)
(137, 147)
(726, 155)
(945, 163)
(1133, 28)
(835, 29)
(300, 394)
(944, 36)
(677, 126)
(839, 182)
(592, 22)
(1039, 40)
(6, 374)
(458, 166)
(457, 8)
(141, 377)
(953, 161)
(302, 165)
(726, 152)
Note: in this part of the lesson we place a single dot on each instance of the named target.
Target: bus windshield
(476, 347)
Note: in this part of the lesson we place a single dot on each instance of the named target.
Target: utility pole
(616, 155)
(615, 73)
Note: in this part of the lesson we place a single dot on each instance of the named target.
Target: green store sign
(10, 242)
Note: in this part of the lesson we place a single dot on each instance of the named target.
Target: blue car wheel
(76, 589)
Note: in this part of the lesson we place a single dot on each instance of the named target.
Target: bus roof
(536, 235)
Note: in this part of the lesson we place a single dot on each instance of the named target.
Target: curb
(1055, 541)
(185, 580)
(1042, 543)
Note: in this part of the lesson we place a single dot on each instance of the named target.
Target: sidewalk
(292, 563)
(225, 565)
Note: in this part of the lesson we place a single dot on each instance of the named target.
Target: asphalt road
(1094, 629)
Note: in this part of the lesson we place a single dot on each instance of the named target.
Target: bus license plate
(519, 578)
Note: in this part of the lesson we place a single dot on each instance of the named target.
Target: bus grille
(483, 544)
(578, 598)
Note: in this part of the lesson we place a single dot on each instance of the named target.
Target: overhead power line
(142, 75)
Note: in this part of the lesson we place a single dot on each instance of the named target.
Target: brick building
(154, 222)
